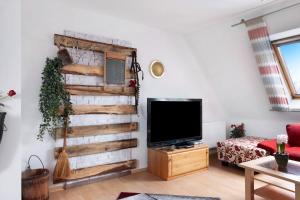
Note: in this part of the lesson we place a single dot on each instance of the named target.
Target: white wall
(10, 78)
(229, 62)
(183, 78)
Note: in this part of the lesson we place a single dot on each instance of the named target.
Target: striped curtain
(267, 64)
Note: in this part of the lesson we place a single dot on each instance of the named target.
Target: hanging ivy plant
(53, 98)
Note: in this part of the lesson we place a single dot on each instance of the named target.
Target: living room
(197, 61)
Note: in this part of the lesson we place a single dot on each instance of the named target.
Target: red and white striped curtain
(267, 64)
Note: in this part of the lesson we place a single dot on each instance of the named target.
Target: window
(288, 53)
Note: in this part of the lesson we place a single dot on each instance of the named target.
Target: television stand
(169, 164)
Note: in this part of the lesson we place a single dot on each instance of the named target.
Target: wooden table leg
(297, 191)
(249, 184)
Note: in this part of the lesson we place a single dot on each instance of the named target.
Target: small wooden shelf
(172, 164)
(275, 182)
(106, 129)
(83, 90)
(274, 193)
(94, 148)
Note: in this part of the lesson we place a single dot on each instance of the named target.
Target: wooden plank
(275, 181)
(99, 170)
(97, 178)
(103, 109)
(67, 41)
(80, 131)
(89, 70)
(114, 55)
(83, 90)
(83, 70)
(274, 193)
(88, 149)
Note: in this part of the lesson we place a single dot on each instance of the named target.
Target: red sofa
(293, 146)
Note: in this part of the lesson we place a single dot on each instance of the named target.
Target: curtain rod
(269, 13)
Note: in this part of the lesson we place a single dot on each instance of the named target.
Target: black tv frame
(170, 142)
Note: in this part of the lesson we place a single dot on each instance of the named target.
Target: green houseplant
(54, 104)
(237, 131)
(9, 94)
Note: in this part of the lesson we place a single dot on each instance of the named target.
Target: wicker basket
(35, 183)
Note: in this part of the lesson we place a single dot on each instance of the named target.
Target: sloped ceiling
(174, 15)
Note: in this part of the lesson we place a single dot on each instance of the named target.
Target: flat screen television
(173, 121)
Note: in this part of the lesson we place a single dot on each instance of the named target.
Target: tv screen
(172, 121)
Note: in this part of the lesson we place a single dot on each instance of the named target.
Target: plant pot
(2, 117)
(282, 160)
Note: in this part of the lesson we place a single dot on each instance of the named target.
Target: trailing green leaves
(53, 97)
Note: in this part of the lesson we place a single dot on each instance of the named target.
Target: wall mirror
(157, 69)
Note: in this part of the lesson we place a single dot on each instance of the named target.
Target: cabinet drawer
(189, 161)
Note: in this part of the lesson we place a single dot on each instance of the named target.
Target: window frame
(276, 44)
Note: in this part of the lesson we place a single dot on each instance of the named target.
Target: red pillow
(268, 145)
(293, 131)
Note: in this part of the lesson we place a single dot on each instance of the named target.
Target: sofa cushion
(268, 145)
(293, 131)
(294, 153)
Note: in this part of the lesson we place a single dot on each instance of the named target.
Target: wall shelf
(94, 148)
(84, 90)
(103, 109)
(105, 129)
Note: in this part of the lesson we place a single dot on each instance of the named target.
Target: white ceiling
(174, 15)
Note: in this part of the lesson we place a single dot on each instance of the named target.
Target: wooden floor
(224, 182)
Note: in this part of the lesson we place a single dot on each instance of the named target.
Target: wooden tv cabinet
(169, 164)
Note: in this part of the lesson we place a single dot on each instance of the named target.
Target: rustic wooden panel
(103, 109)
(89, 70)
(100, 170)
(100, 90)
(67, 41)
(80, 131)
(88, 149)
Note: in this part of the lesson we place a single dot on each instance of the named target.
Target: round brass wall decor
(157, 69)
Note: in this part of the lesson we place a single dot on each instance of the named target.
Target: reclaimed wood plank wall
(84, 57)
